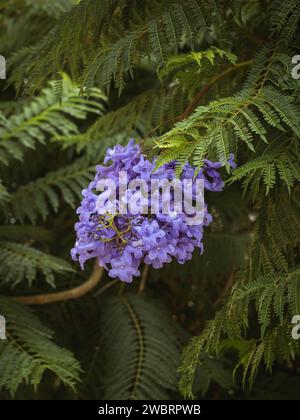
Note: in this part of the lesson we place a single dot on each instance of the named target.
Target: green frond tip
(47, 118)
(277, 163)
(29, 351)
(39, 197)
(197, 59)
(21, 262)
(190, 361)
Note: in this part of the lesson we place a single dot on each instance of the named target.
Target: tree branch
(74, 293)
(203, 91)
(226, 289)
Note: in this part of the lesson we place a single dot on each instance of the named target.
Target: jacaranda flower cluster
(121, 242)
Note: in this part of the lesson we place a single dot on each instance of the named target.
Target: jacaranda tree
(206, 89)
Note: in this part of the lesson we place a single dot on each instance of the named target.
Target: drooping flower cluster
(121, 241)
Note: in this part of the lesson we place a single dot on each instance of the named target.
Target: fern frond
(285, 18)
(161, 28)
(44, 194)
(150, 111)
(198, 59)
(46, 118)
(146, 367)
(29, 351)
(277, 162)
(21, 262)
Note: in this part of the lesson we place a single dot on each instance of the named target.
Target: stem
(225, 290)
(106, 286)
(144, 278)
(74, 293)
(203, 91)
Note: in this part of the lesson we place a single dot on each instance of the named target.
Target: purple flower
(143, 168)
(121, 242)
(150, 233)
(120, 153)
(161, 251)
(123, 268)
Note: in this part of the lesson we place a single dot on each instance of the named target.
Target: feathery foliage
(29, 351)
(21, 262)
(146, 368)
(189, 80)
(139, 29)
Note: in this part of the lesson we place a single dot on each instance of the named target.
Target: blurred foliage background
(188, 79)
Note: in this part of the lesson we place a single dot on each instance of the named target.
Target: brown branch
(203, 91)
(226, 289)
(74, 293)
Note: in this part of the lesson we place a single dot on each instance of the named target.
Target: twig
(74, 293)
(225, 290)
(203, 91)
(144, 278)
(106, 286)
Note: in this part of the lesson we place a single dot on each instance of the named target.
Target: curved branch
(74, 293)
(203, 91)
